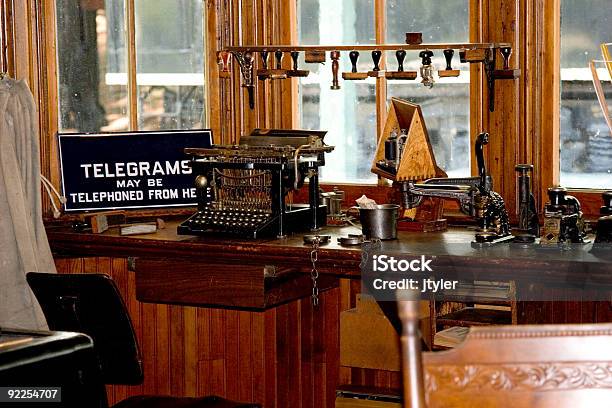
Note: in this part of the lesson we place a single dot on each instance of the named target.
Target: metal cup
(379, 222)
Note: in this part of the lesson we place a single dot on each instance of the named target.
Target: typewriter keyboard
(229, 221)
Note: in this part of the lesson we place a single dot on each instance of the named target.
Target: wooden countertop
(450, 249)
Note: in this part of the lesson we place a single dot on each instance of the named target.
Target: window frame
(382, 189)
(533, 115)
(47, 32)
(131, 61)
(526, 119)
(550, 62)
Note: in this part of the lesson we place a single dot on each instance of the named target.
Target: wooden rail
(382, 47)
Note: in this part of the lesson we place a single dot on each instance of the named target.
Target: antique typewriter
(242, 189)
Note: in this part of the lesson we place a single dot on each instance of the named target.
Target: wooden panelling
(6, 38)
(503, 26)
(287, 356)
(284, 357)
(257, 22)
(132, 83)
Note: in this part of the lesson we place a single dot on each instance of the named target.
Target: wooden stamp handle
(335, 56)
(279, 59)
(264, 59)
(295, 55)
(506, 52)
(376, 56)
(400, 55)
(448, 54)
(354, 56)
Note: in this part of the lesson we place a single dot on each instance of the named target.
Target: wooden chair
(91, 304)
(559, 366)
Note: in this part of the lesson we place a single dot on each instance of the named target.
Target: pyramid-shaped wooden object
(418, 161)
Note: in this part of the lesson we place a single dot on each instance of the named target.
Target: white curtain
(23, 240)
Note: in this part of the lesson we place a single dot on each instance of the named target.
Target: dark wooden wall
(284, 357)
(260, 22)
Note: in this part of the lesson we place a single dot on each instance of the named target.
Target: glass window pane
(170, 64)
(91, 57)
(349, 115)
(586, 142)
(439, 20)
(446, 109)
(446, 106)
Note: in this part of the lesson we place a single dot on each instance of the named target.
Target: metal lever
(481, 141)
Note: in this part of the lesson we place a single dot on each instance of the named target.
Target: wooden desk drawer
(241, 286)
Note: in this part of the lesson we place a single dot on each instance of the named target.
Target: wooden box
(369, 340)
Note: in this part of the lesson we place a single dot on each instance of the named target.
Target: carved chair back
(559, 366)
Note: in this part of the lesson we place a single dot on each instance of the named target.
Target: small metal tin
(351, 240)
(311, 238)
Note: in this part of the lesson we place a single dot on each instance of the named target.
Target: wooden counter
(452, 243)
(451, 250)
(285, 354)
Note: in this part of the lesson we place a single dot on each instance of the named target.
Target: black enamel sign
(128, 170)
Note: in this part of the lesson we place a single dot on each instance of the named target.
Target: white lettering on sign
(128, 183)
(107, 196)
(136, 169)
(189, 193)
(164, 194)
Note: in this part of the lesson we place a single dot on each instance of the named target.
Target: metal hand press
(563, 222)
(475, 196)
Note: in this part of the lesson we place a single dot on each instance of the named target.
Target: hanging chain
(314, 273)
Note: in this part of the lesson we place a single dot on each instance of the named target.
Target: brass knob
(201, 182)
